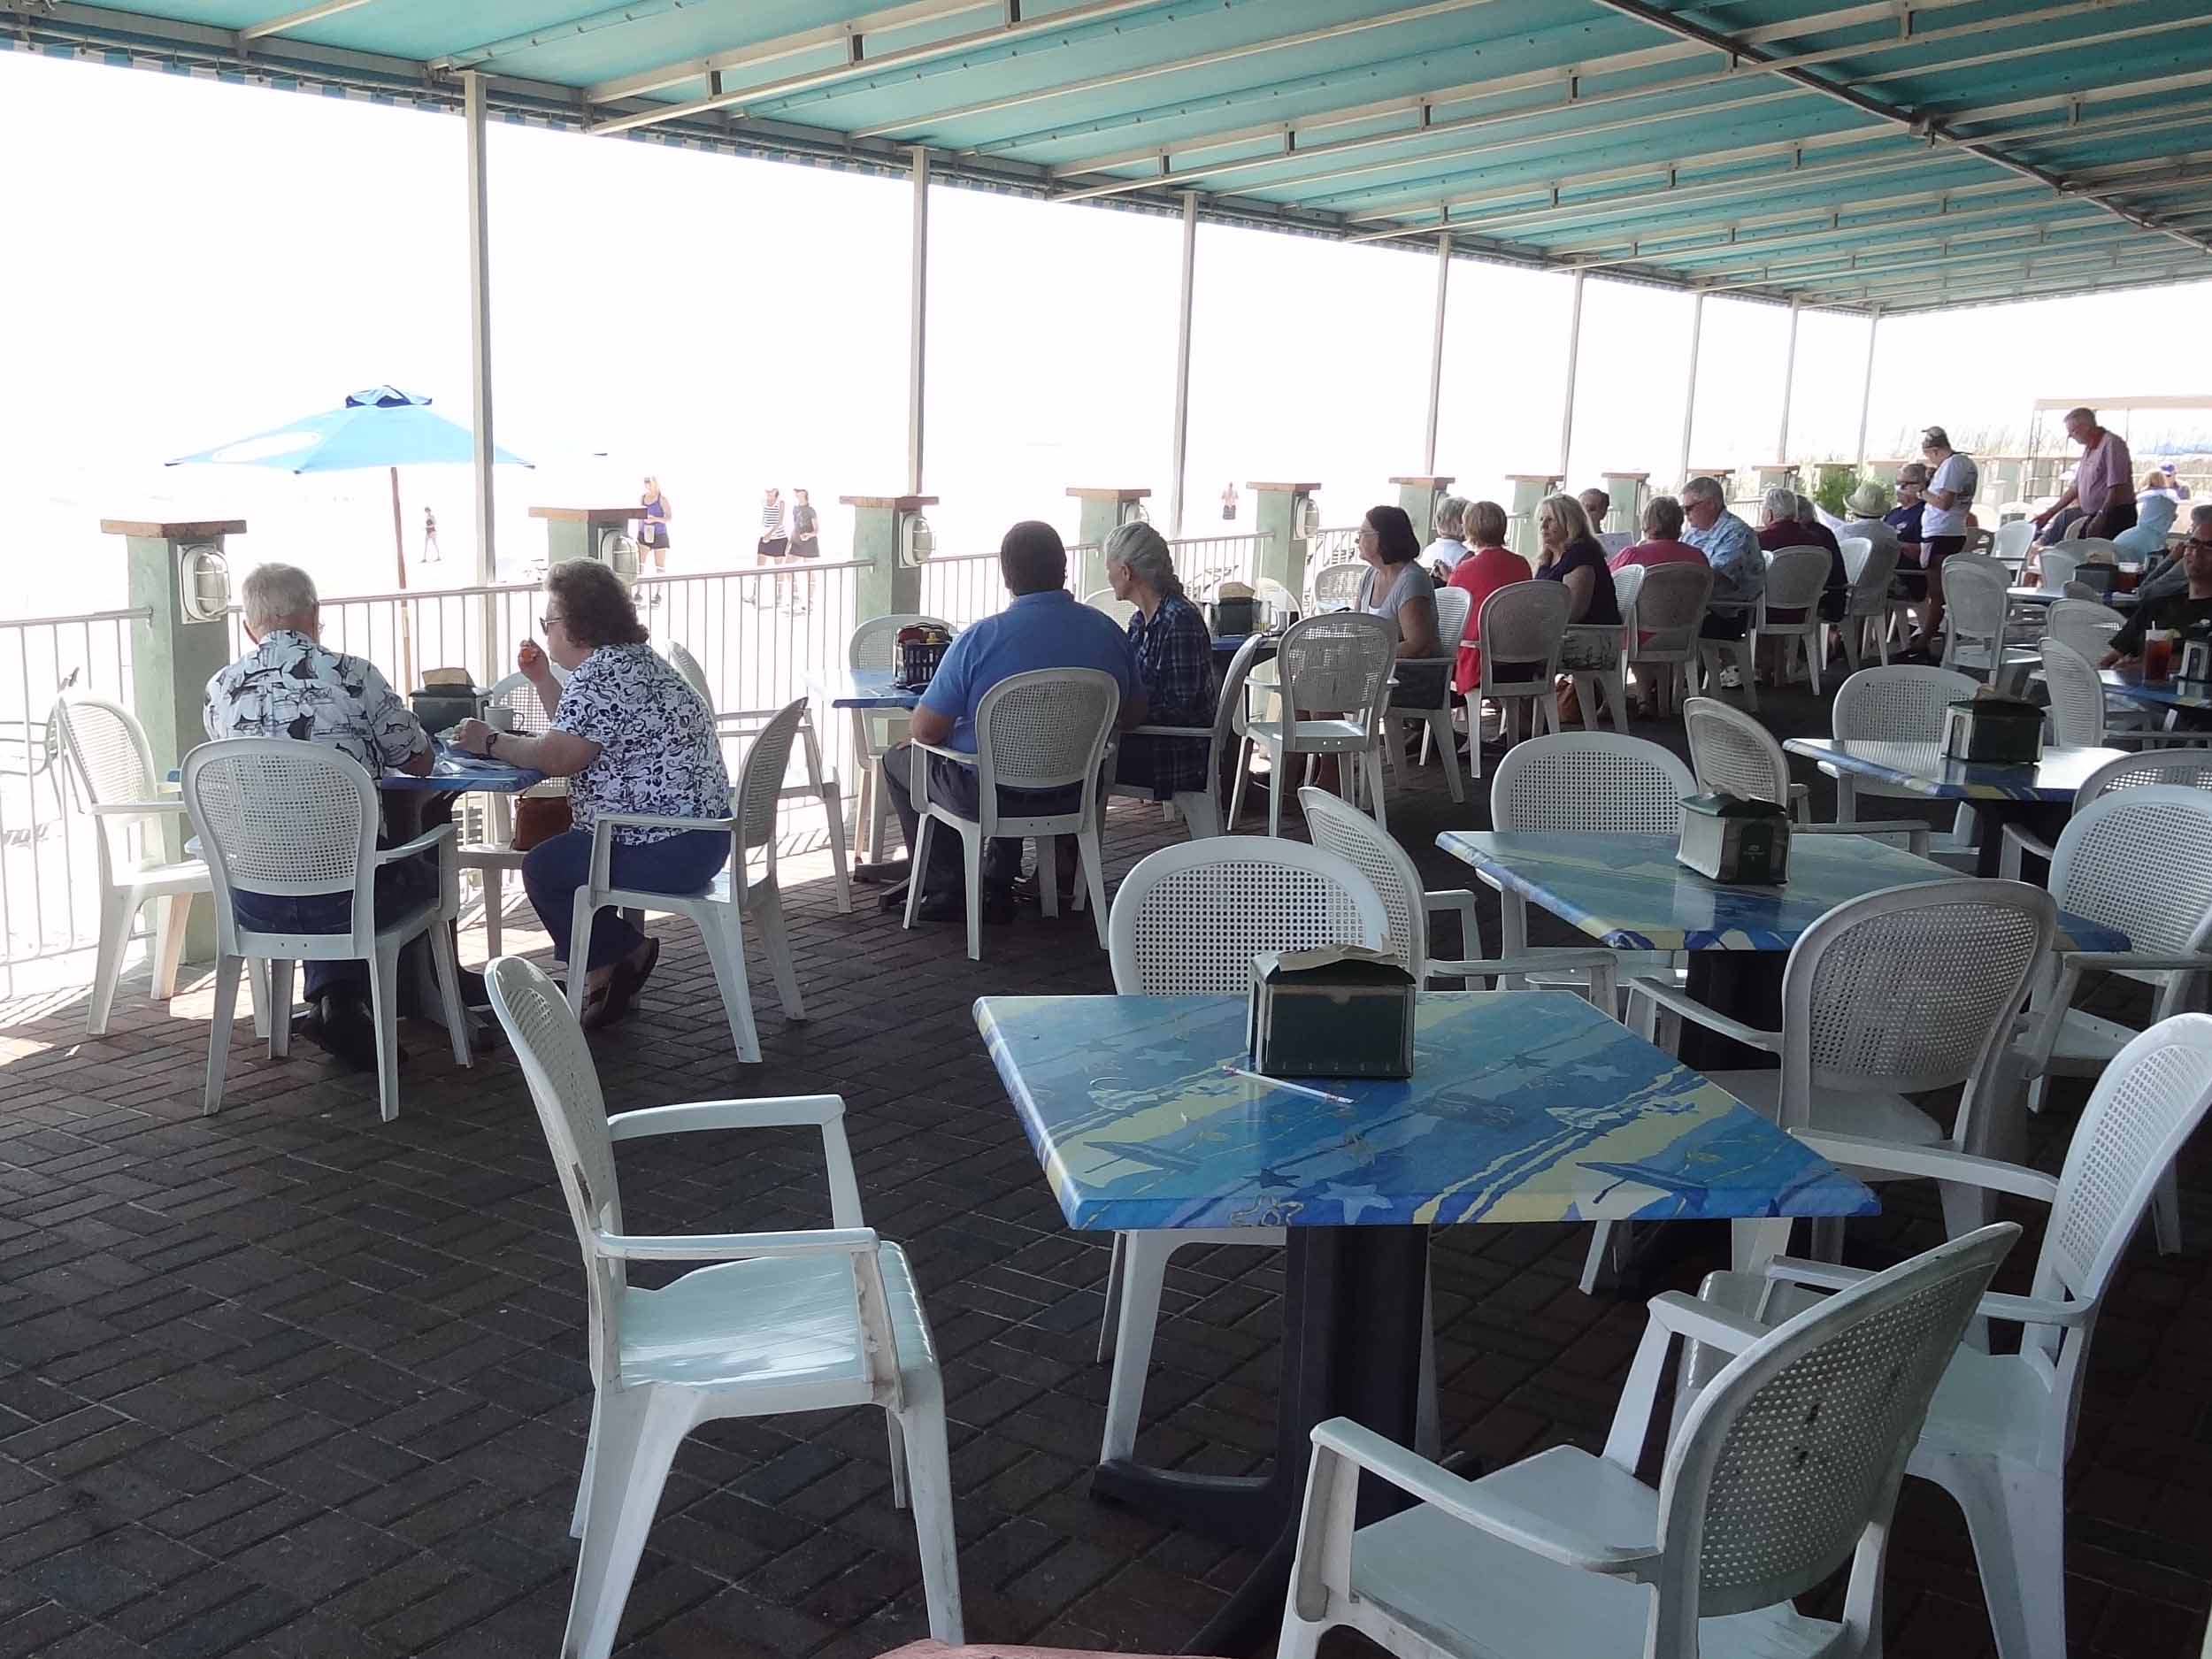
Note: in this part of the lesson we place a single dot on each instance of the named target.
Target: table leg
(2042, 820)
(1354, 1303)
(1744, 985)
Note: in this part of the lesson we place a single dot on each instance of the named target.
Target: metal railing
(964, 587)
(1205, 562)
(49, 863)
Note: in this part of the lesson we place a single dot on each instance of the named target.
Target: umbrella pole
(406, 626)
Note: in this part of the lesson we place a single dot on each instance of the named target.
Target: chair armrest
(1690, 1009)
(1205, 732)
(648, 820)
(139, 809)
(789, 1111)
(1935, 1163)
(1994, 1304)
(1465, 1501)
(2019, 841)
(953, 755)
(2135, 961)
(730, 1246)
(422, 843)
(1918, 831)
(1705, 1322)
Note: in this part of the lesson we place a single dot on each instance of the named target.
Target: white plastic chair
(1523, 626)
(718, 909)
(2012, 541)
(1899, 702)
(1867, 607)
(805, 1319)
(1187, 921)
(1353, 836)
(1784, 1470)
(1336, 587)
(821, 787)
(1339, 666)
(1104, 601)
(2132, 859)
(1437, 730)
(876, 732)
(2086, 625)
(2190, 768)
(2001, 1425)
(2057, 568)
(1732, 753)
(488, 835)
(108, 761)
(1046, 730)
(293, 820)
(2076, 716)
(2083, 592)
(1201, 808)
(1797, 578)
(1279, 602)
(1669, 608)
(1975, 616)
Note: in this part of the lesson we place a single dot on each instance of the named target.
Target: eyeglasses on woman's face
(546, 623)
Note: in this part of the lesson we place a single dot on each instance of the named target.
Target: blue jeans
(400, 888)
(553, 870)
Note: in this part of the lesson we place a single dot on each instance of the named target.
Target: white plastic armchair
(104, 751)
(1796, 578)
(876, 732)
(2057, 568)
(788, 1321)
(2084, 626)
(1670, 610)
(1888, 996)
(2190, 768)
(1354, 836)
(718, 909)
(1435, 720)
(1333, 678)
(1976, 611)
(2012, 541)
(293, 819)
(2001, 1425)
(1785, 1471)
(1731, 752)
(1104, 601)
(2075, 716)
(1866, 608)
(1901, 703)
(1336, 587)
(1043, 731)
(1523, 626)
(1201, 808)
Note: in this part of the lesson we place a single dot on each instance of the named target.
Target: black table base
(2043, 820)
(1355, 1301)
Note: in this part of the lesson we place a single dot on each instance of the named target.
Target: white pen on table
(1296, 1088)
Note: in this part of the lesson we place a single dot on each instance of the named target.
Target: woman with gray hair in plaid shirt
(1174, 659)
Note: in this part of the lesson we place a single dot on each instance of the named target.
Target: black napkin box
(1727, 838)
(1341, 1010)
(1234, 616)
(1994, 731)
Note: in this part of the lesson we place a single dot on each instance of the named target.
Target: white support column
(1866, 386)
(1436, 352)
(1789, 383)
(1689, 402)
(1574, 360)
(918, 323)
(1178, 458)
(480, 350)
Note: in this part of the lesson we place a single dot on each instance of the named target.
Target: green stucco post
(1630, 491)
(889, 587)
(1529, 488)
(173, 657)
(2003, 477)
(1776, 477)
(1101, 510)
(574, 532)
(1724, 476)
(1419, 496)
(1275, 514)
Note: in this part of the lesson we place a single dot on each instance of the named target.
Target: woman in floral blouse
(633, 738)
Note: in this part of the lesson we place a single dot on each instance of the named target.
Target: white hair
(1451, 517)
(1806, 512)
(1146, 553)
(275, 594)
(1703, 489)
(1780, 506)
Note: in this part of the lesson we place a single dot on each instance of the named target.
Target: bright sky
(219, 259)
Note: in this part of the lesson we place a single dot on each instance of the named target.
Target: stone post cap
(1091, 493)
(589, 515)
(183, 530)
(1433, 481)
(1301, 489)
(902, 504)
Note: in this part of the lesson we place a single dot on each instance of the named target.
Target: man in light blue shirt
(1739, 569)
(1043, 627)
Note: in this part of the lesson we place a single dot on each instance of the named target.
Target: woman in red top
(1488, 567)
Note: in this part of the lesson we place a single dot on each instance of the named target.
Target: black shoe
(998, 906)
(474, 993)
(942, 907)
(627, 981)
(346, 1028)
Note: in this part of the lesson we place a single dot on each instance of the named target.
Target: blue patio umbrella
(380, 426)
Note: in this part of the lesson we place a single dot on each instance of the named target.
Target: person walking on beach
(806, 542)
(652, 536)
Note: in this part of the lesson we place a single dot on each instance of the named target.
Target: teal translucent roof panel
(1846, 153)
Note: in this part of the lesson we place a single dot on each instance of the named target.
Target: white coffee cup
(500, 717)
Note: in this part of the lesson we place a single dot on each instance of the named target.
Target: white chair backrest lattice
(1974, 592)
(1902, 703)
(283, 818)
(1795, 577)
(1797, 1447)
(1523, 624)
(875, 642)
(1188, 919)
(1672, 605)
(1338, 584)
(1628, 588)
(531, 717)
(2014, 540)
(1229, 709)
(2085, 625)
(2134, 859)
(1857, 549)
(1453, 606)
(1338, 664)
(1103, 602)
(1911, 989)
(2190, 768)
(1730, 752)
(1339, 827)
(760, 780)
(1044, 730)
(694, 676)
(2076, 712)
(2057, 568)
(1871, 575)
(2093, 550)
(1573, 782)
(108, 759)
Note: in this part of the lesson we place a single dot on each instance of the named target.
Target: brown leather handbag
(540, 817)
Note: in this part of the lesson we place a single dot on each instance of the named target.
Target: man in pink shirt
(1488, 567)
(2104, 484)
(1663, 543)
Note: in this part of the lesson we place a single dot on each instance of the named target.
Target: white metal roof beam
(2109, 245)
(1151, 71)
(849, 34)
(300, 19)
(1946, 298)
(1876, 257)
(1727, 242)
(2070, 277)
(999, 33)
(1910, 120)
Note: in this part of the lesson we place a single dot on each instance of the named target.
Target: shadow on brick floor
(291, 1381)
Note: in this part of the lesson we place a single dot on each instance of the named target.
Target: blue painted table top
(1524, 1106)
(2052, 596)
(1921, 769)
(863, 688)
(1630, 893)
(2168, 694)
(455, 771)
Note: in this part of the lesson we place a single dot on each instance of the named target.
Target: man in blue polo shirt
(1043, 627)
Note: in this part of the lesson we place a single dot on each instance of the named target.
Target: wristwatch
(491, 742)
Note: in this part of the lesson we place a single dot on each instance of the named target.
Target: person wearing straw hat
(1862, 510)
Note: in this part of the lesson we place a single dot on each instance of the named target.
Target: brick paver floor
(293, 1381)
